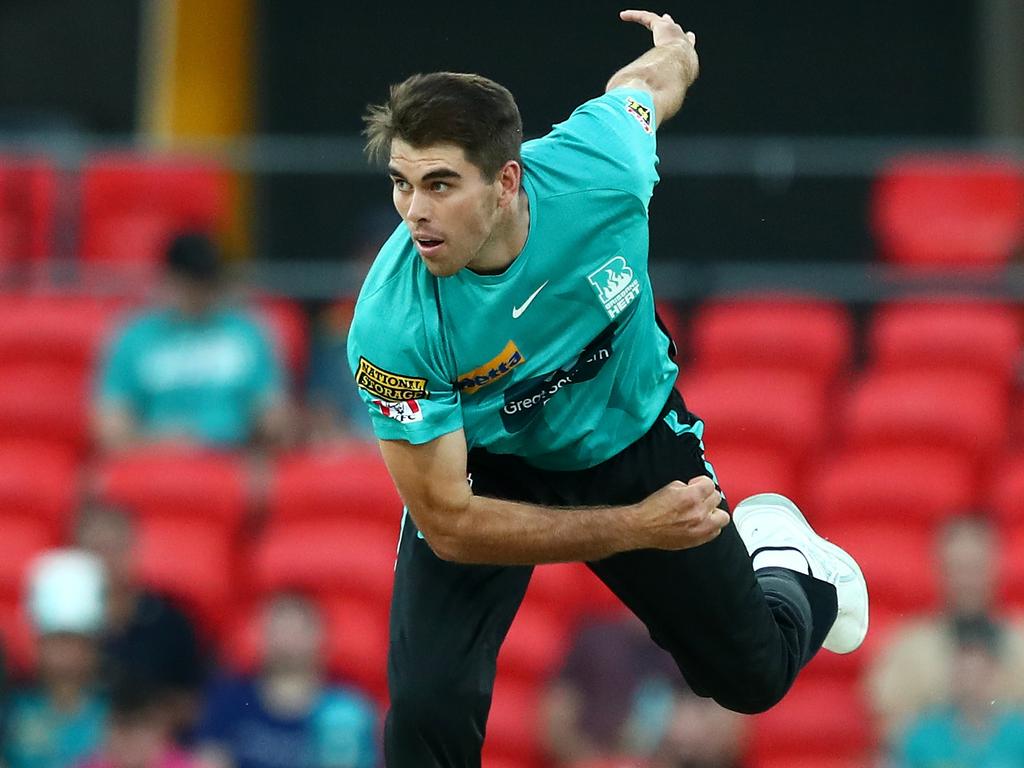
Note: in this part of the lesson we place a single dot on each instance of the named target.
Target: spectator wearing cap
(194, 371)
(60, 720)
(977, 729)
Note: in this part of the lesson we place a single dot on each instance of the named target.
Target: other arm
(462, 527)
(667, 70)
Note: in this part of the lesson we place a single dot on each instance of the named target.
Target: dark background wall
(876, 68)
(795, 67)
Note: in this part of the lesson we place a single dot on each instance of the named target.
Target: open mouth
(428, 246)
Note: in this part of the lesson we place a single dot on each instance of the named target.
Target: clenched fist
(680, 515)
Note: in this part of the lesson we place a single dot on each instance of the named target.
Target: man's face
(449, 208)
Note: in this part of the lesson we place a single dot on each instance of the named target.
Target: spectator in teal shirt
(61, 719)
(194, 371)
(977, 730)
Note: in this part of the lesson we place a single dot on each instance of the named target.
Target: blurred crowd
(122, 678)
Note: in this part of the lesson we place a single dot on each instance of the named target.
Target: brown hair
(469, 111)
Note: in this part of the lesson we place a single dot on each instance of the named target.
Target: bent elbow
(440, 530)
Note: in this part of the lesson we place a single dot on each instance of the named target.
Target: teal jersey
(204, 378)
(559, 359)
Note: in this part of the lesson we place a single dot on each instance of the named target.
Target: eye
(402, 185)
(440, 186)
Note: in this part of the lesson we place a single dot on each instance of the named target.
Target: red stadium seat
(22, 540)
(1011, 568)
(514, 722)
(132, 205)
(28, 196)
(744, 471)
(848, 668)
(44, 404)
(177, 483)
(536, 642)
(816, 719)
(898, 562)
(334, 485)
(327, 557)
(288, 330)
(791, 334)
(1006, 495)
(17, 637)
(941, 334)
(949, 211)
(69, 331)
(914, 487)
(960, 411)
(39, 483)
(778, 411)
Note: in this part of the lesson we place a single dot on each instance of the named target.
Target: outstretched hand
(663, 27)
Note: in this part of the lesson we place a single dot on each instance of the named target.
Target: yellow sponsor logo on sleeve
(492, 370)
(388, 385)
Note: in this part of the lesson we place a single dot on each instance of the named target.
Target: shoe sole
(832, 550)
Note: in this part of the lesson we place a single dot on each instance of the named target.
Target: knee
(755, 692)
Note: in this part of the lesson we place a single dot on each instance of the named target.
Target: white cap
(66, 589)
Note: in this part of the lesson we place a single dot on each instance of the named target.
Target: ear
(510, 178)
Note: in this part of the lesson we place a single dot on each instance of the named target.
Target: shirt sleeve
(117, 383)
(614, 135)
(400, 373)
(268, 378)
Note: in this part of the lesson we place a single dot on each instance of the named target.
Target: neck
(290, 692)
(507, 240)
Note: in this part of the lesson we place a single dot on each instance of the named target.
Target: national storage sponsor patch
(492, 370)
(389, 386)
(640, 112)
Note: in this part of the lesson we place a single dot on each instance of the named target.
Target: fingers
(640, 17)
(704, 485)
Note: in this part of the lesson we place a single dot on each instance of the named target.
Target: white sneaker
(771, 521)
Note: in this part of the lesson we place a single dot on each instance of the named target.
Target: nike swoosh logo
(517, 311)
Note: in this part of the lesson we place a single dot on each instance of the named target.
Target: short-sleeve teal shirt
(203, 378)
(559, 359)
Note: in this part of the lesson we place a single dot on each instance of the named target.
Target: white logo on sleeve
(402, 411)
(517, 311)
(615, 284)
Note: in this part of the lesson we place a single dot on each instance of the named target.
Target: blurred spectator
(288, 716)
(702, 734)
(144, 635)
(194, 371)
(335, 409)
(139, 734)
(914, 672)
(60, 720)
(977, 729)
(614, 696)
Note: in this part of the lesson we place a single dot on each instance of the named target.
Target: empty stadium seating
(44, 404)
(334, 484)
(772, 333)
(780, 411)
(176, 483)
(964, 335)
(943, 211)
(40, 483)
(916, 488)
(133, 204)
(28, 199)
(961, 411)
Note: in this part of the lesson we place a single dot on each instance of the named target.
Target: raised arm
(667, 70)
(462, 527)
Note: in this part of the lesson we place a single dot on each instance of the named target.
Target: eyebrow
(440, 173)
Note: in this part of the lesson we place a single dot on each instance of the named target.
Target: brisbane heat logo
(615, 284)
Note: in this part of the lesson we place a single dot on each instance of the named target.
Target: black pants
(736, 637)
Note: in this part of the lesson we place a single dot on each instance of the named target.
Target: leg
(447, 623)
(738, 637)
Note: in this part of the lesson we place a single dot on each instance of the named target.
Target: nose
(419, 207)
